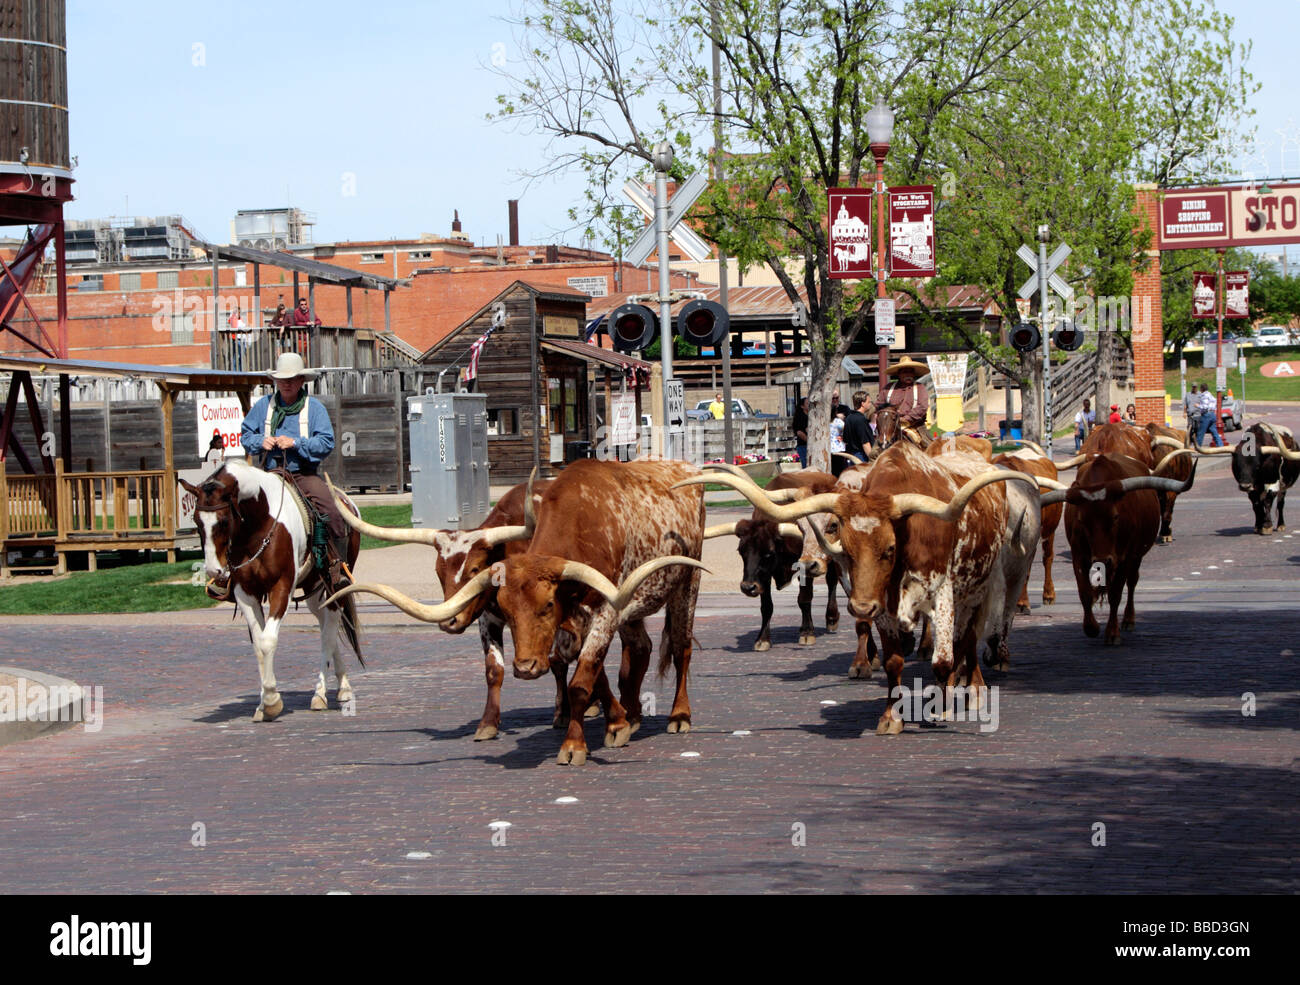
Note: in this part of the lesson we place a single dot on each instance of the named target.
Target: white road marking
(416, 856)
(690, 755)
(566, 800)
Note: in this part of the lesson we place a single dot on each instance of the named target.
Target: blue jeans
(802, 452)
(1206, 425)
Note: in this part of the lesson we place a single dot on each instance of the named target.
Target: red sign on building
(1236, 294)
(911, 231)
(1194, 219)
(1203, 295)
(850, 244)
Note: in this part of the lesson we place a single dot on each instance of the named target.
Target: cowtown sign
(1194, 218)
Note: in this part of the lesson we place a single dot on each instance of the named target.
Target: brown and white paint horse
(252, 531)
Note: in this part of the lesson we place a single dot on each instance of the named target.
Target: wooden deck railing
(118, 504)
(30, 505)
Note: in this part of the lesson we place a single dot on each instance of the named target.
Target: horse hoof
(1113, 640)
(1128, 624)
(889, 726)
(269, 713)
(571, 757)
(807, 639)
(592, 711)
(762, 645)
(616, 737)
(485, 732)
(682, 725)
(1091, 631)
(832, 626)
(318, 702)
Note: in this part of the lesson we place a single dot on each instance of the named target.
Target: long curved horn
(428, 613)
(790, 530)
(1159, 469)
(621, 595)
(1280, 449)
(768, 505)
(1027, 443)
(906, 503)
(721, 530)
(831, 550)
(1050, 484)
(724, 467)
(397, 535)
(1159, 483)
(1167, 442)
(493, 536)
(1225, 450)
(1070, 463)
(1053, 497)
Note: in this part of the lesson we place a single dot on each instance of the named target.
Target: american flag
(471, 371)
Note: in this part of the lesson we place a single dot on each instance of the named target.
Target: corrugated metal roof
(179, 377)
(594, 354)
(328, 273)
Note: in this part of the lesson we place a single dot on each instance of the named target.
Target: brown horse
(256, 535)
(889, 428)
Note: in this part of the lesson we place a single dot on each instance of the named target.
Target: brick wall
(1148, 346)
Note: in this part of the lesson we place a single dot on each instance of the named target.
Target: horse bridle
(228, 571)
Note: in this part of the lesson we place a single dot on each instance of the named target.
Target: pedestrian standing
(1206, 405)
(800, 425)
(1082, 420)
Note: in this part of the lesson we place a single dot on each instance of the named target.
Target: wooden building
(544, 385)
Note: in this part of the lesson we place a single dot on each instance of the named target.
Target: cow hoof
(807, 639)
(318, 702)
(1091, 631)
(268, 713)
(832, 626)
(1022, 609)
(860, 672)
(485, 732)
(1113, 640)
(762, 645)
(616, 737)
(571, 757)
(682, 725)
(1049, 600)
(1281, 527)
(635, 725)
(998, 664)
(1264, 530)
(889, 726)
(592, 711)
(876, 663)
(1167, 538)
(1128, 624)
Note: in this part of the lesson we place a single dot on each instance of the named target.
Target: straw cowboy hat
(290, 366)
(908, 363)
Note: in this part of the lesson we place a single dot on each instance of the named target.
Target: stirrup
(219, 592)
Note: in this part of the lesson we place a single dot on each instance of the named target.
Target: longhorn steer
(598, 522)
(462, 554)
(1040, 466)
(251, 530)
(1112, 519)
(938, 537)
(1266, 463)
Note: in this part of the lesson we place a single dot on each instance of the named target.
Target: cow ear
(742, 527)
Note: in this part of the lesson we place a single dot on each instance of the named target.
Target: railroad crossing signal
(681, 202)
(631, 327)
(1068, 337)
(703, 323)
(1025, 337)
(1030, 287)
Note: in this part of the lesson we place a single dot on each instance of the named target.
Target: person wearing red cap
(1115, 417)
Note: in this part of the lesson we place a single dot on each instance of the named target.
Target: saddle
(328, 557)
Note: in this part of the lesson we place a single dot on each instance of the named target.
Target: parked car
(739, 408)
(1272, 336)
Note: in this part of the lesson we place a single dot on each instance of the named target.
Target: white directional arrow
(682, 200)
(1030, 287)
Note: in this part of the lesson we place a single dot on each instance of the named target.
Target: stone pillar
(1147, 317)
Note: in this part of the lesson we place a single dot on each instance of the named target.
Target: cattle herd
(932, 547)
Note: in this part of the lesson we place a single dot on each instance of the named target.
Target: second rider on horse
(277, 427)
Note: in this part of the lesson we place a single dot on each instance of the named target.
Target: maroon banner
(1203, 295)
(849, 210)
(911, 231)
(1236, 294)
(1231, 215)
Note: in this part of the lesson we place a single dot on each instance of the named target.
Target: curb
(56, 719)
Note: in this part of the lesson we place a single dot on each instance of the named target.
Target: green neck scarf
(282, 411)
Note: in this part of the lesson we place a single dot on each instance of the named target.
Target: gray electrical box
(449, 465)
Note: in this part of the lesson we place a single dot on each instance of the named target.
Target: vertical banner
(849, 210)
(911, 231)
(1236, 294)
(1202, 295)
(948, 374)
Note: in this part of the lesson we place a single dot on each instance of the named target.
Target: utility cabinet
(449, 462)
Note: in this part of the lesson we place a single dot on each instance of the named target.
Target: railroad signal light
(632, 327)
(1025, 337)
(703, 323)
(1067, 337)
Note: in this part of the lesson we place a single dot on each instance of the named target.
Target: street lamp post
(1221, 301)
(880, 131)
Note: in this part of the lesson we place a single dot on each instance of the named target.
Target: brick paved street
(1147, 739)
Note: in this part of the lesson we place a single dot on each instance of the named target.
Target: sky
(372, 115)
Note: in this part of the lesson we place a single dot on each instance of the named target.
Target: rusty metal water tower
(35, 166)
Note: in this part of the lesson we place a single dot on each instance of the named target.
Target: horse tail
(351, 626)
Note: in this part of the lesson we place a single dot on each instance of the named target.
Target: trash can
(575, 450)
(1011, 429)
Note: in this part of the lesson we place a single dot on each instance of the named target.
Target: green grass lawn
(1258, 387)
(384, 516)
(134, 588)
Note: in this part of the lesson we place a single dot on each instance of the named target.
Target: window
(182, 328)
(92, 282)
(168, 279)
(502, 421)
(241, 278)
(372, 258)
(128, 282)
(420, 255)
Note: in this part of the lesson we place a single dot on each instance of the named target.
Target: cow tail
(351, 626)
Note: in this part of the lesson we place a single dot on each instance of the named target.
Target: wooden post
(214, 328)
(767, 358)
(169, 467)
(348, 289)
